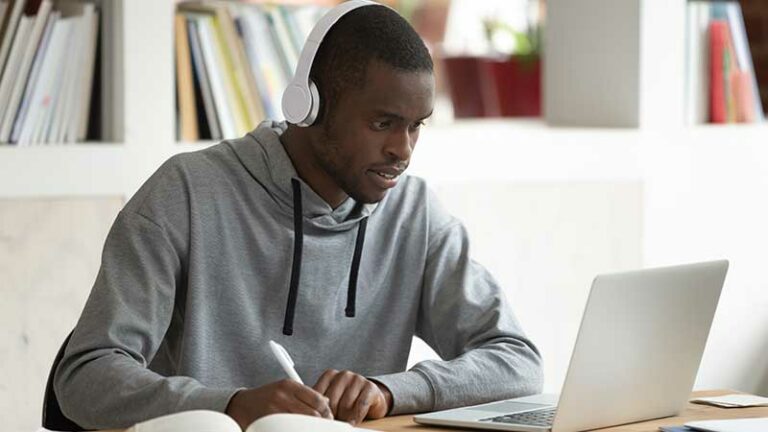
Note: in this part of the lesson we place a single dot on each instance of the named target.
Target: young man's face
(370, 135)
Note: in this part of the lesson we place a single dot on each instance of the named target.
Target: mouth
(386, 175)
(385, 178)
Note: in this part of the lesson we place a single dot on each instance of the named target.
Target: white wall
(708, 201)
(703, 197)
(544, 242)
(49, 255)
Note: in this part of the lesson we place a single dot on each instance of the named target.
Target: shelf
(526, 150)
(63, 170)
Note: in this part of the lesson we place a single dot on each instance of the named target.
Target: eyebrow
(384, 113)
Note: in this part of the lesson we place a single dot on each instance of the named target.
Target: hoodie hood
(265, 158)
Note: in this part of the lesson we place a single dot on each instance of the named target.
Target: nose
(400, 145)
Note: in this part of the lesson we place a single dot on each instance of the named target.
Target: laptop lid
(639, 345)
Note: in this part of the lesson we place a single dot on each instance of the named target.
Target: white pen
(285, 361)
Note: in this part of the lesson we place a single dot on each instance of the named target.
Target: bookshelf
(701, 196)
(143, 99)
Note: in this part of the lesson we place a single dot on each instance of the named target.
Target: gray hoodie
(223, 249)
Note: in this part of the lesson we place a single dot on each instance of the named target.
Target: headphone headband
(301, 99)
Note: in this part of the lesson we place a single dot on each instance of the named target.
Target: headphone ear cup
(314, 104)
(296, 104)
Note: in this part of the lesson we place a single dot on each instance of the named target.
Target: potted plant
(510, 82)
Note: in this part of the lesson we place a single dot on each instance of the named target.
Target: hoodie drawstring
(298, 243)
(352, 289)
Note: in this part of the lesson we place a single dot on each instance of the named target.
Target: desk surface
(692, 412)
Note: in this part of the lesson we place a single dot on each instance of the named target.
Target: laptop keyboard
(543, 417)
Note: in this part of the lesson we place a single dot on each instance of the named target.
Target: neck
(298, 143)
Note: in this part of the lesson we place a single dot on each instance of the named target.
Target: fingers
(366, 403)
(313, 401)
(345, 410)
(351, 397)
(309, 401)
(325, 380)
(336, 389)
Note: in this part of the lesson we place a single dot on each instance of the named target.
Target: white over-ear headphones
(301, 100)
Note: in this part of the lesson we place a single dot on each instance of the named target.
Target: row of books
(45, 85)
(233, 61)
(721, 82)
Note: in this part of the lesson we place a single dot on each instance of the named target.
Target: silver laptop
(636, 356)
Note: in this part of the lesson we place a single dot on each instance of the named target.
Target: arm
(103, 380)
(466, 319)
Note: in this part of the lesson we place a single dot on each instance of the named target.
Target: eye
(381, 125)
(417, 125)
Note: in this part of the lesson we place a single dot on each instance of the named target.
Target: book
(52, 101)
(741, 85)
(212, 58)
(66, 103)
(202, 81)
(9, 32)
(4, 12)
(51, 96)
(184, 84)
(212, 421)
(227, 70)
(282, 38)
(48, 83)
(16, 87)
(63, 109)
(249, 52)
(292, 25)
(244, 34)
(14, 61)
(78, 128)
(241, 69)
(736, 400)
(744, 59)
(239, 82)
(718, 59)
(732, 425)
(262, 52)
(718, 34)
(697, 63)
(33, 78)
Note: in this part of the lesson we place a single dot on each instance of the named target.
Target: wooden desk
(692, 412)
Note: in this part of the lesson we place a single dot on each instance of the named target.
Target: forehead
(409, 94)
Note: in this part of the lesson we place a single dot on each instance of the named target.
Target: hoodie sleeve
(103, 380)
(464, 316)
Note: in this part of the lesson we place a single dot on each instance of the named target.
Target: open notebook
(212, 421)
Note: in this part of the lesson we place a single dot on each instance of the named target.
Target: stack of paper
(733, 401)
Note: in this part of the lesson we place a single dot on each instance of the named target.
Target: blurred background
(572, 138)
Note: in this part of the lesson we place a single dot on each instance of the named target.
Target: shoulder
(414, 200)
(180, 179)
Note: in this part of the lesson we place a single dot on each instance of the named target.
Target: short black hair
(360, 36)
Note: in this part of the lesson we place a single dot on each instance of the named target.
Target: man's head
(375, 80)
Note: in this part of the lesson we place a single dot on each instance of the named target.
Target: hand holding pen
(284, 396)
(352, 397)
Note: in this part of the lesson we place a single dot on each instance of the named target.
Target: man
(312, 237)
